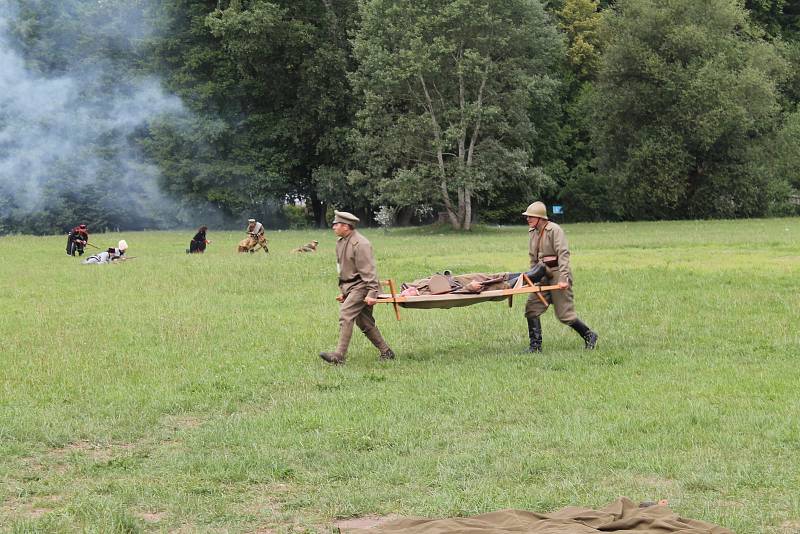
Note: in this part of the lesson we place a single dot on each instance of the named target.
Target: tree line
(616, 110)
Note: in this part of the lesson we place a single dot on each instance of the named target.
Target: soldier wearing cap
(358, 286)
(255, 237)
(548, 246)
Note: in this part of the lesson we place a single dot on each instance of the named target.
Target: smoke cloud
(68, 134)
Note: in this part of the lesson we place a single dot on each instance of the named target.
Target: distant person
(358, 286)
(308, 247)
(255, 237)
(77, 239)
(198, 243)
(548, 246)
(110, 255)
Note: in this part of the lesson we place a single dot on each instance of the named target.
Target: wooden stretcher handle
(538, 293)
(393, 291)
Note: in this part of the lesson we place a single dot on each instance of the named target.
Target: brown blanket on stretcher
(622, 517)
(460, 282)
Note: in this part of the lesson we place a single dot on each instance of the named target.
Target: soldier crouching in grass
(359, 286)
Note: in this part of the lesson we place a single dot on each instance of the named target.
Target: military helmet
(537, 209)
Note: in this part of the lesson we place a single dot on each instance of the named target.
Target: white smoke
(51, 127)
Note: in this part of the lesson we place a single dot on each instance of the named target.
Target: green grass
(184, 393)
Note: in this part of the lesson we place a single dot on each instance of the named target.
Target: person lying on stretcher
(439, 284)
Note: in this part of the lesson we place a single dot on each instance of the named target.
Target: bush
(297, 217)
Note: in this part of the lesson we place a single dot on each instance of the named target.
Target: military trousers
(563, 302)
(355, 311)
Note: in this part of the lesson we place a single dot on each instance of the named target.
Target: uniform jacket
(554, 243)
(257, 230)
(355, 263)
(79, 233)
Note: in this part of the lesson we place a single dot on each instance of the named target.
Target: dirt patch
(96, 451)
(182, 422)
(23, 510)
(269, 498)
(790, 527)
(151, 517)
(368, 521)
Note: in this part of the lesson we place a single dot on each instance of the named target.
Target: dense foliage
(157, 113)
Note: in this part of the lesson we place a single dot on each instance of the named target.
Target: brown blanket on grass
(621, 517)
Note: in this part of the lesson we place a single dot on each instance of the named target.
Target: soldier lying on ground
(107, 256)
(308, 247)
(439, 284)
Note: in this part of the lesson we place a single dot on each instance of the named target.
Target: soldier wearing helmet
(548, 246)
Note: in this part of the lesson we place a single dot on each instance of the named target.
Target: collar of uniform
(546, 226)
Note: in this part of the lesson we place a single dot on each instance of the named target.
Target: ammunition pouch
(550, 261)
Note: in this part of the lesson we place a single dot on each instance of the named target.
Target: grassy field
(184, 393)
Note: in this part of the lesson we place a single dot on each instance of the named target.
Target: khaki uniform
(308, 247)
(255, 237)
(358, 279)
(553, 243)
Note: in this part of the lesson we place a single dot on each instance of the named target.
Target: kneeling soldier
(359, 286)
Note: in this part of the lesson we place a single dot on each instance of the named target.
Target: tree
(292, 57)
(686, 99)
(75, 106)
(777, 17)
(221, 153)
(446, 90)
(580, 21)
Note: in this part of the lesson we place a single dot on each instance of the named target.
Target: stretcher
(523, 286)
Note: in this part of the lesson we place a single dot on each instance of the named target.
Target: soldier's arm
(367, 269)
(562, 251)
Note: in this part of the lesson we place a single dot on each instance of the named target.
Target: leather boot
(375, 337)
(332, 357)
(536, 275)
(535, 334)
(338, 356)
(589, 337)
(538, 272)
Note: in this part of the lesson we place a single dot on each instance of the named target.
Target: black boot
(535, 334)
(536, 274)
(589, 337)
